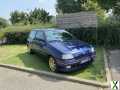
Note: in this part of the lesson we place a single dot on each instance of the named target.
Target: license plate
(85, 60)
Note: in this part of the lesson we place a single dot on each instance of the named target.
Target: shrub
(18, 34)
(108, 36)
(16, 37)
(85, 34)
(3, 23)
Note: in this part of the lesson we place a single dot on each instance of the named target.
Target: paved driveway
(115, 64)
(18, 80)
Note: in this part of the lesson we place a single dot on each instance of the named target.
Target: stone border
(58, 76)
(107, 68)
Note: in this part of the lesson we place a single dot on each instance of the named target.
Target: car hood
(73, 46)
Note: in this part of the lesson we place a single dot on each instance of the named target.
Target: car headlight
(92, 49)
(67, 56)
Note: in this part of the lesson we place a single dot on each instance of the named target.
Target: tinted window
(40, 35)
(32, 35)
(58, 35)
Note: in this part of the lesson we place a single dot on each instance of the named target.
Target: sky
(7, 6)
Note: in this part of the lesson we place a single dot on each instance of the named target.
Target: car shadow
(37, 62)
(34, 61)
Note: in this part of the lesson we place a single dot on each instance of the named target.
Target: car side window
(40, 35)
(32, 35)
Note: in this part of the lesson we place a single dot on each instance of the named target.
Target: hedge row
(103, 36)
(16, 37)
(106, 36)
(85, 34)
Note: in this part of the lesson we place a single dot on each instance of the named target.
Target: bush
(108, 36)
(18, 34)
(3, 23)
(16, 37)
(85, 34)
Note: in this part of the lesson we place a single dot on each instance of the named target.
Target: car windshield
(58, 35)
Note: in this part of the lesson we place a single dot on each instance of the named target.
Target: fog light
(68, 67)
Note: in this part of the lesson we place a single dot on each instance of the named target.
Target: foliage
(39, 16)
(116, 9)
(92, 5)
(34, 17)
(108, 35)
(107, 4)
(85, 34)
(69, 6)
(3, 23)
(16, 37)
(19, 17)
(110, 4)
(19, 34)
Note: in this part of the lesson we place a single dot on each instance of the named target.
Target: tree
(34, 17)
(39, 16)
(69, 6)
(92, 5)
(116, 9)
(107, 4)
(110, 4)
(3, 23)
(19, 17)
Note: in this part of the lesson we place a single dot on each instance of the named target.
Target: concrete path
(18, 80)
(115, 64)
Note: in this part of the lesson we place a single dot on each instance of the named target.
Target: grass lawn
(18, 55)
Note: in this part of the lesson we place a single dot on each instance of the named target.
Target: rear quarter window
(32, 35)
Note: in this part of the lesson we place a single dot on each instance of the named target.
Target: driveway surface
(18, 80)
(115, 64)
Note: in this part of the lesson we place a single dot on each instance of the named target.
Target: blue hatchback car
(65, 52)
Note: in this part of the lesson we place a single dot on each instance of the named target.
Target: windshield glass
(58, 35)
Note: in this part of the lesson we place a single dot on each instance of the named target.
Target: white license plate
(85, 60)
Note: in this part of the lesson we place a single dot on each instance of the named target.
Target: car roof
(47, 29)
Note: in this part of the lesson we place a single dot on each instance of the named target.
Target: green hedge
(18, 34)
(85, 34)
(108, 36)
(16, 37)
(104, 36)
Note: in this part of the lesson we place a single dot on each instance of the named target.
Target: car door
(40, 43)
(30, 40)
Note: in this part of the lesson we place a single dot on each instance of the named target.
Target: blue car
(65, 52)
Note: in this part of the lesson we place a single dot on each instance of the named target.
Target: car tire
(52, 64)
(30, 51)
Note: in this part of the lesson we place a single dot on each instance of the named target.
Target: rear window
(40, 35)
(32, 35)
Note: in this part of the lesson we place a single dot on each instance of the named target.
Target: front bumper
(73, 67)
(74, 64)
